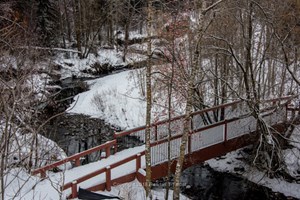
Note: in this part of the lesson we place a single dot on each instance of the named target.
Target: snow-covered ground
(119, 100)
(74, 66)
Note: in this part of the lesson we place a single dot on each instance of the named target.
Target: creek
(201, 182)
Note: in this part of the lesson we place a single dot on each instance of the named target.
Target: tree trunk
(189, 106)
(149, 103)
(68, 24)
(77, 21)
(170, 90)
(191, 74)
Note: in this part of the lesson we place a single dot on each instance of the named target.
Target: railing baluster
(107, 152)
(138, 162)
(108, 178)
(225, 131)
(43, 174)
(191, 123)
(155, 130)
(189, 144)
(74, 189)
(77, 162)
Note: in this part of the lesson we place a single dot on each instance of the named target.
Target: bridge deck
(230, 132)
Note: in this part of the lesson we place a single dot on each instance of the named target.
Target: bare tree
(200, 29)
(149, 100)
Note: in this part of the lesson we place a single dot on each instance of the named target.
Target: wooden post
(192, 124)
(43, 173)
(155, 127)
(74, 189)
(107, 152)
(190, 143)
(286, 113)
(190, 135)
(77, 162)
(225, 132)
(115, 148)
(108, 178)
(138, 162)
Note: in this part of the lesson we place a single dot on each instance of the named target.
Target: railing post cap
(139, 154)
(108, 167)
(74, 182)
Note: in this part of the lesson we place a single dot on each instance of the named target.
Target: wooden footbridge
(213, 132)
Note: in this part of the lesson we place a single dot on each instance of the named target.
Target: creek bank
(201, 182)
(73, 132)
(76, 133)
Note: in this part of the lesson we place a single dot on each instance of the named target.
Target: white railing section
(200, 118)
(276, 117)
(210, 135)
(209, 126)
(159, 152)
(240, 127)
(139, 134)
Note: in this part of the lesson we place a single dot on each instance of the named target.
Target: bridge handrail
(106, 169)
(192, 132)
(128, 132)
(226, 135)
(76, 157)
(225, 122)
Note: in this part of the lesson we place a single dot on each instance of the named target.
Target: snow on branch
(48, 48)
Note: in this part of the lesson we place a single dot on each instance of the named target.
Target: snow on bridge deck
(204, 142)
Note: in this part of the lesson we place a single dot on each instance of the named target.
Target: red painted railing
(225, 123)
(106, 146)
(163, 122)
(107, 170)
(201, 112)
(157, 141)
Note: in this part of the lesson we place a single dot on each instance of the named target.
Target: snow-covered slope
(119, 99)
(115, 98)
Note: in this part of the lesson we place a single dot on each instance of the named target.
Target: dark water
(203, 183)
